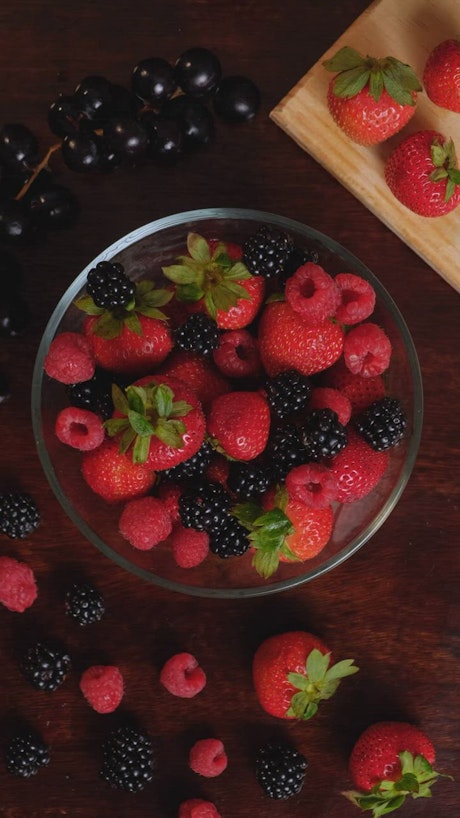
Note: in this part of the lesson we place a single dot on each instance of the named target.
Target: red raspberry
(189, 546)
(197, 808)
(312, 293)
(182, 676)
(169, 494)
(145, 522)
(18, 589)
(358, 298)
(361, 392)
(208, 757)
(79, 428)
(218, 470)
(324, 397)
(312, 484)
(367, 350)
(237, 355)
(357, 468)
(102, 687)
(70, 358)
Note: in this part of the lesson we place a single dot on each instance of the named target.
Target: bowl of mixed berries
(227, 403)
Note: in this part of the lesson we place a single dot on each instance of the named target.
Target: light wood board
(408, 30)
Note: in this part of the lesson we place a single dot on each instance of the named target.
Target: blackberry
(265, 253)
(19, 515)
(25, 754)
(199, 333)
(128, 760)
(250, 479)
(382, 424)
(84, 603)
(280, 770)
(323, 435)
(297, 257)
(285, 450)
(202, 504)
(288, 393)
(109, 286)
(193, 467)
(45, 666)
(95, 394)
(228, 538)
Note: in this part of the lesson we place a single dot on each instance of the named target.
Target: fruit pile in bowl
(227, 403)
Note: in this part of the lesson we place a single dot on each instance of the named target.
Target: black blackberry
(45, 666)
(19, 515)
(323, 435)
(250, 479)
(25, 754)
(95, 394)
(285, 450)
(280, 770)
(202, 504)
(84, 603)
(288, 393)
(199, 333)
(193, 467)
(265, 252)
(382, 424)
(297, 257)
(128, 760)
(109, 286)
(228, 538)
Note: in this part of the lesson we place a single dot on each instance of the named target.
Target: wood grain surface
(407, 30)
(393, 606)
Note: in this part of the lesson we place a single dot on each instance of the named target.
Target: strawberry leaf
(141, 449)
(351, 82)
(180, 273)
(87, 305)
(171, 432)
(180, 408)
(107, 326)
(247, 513)
(140, 424)
(126, 440)
(198, 248)
(345, 59)
(237, 272)
(189, 292)
(120, 401)
(376, 84)
(162, 400)
(115, 425)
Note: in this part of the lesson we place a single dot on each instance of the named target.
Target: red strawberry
(113, 475)
(390, 761)
(422, 174)
(441, 76)
(357, 468)
(293, 672)
(130, 352)
(360, 391)
(239, 424)
(197, 372)
(287, 341)
(370, 99)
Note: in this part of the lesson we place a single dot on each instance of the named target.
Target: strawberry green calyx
(319, 682)
(147, 411)
(209, 275)
(417, 778)
(268, 532)
(109, 324)
(444, 161)
(355, 72)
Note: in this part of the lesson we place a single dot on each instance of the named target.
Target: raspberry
(360, 391)
(189, 546)
(237, 355)
(312, 293)
(18, 589)
(208, 757)
(312, 484)
(70, 358)
(358, 299)
(367, 350)
(182, 676)
(169, 494)
(197, 808)
(324, 397)
(102, 687)
(358, 469)
(79, 428)
(145, 522)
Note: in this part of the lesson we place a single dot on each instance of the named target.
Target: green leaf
(394, 88)
(137, 399)
(180, 408)
(247, 513)
(107, 326)
(133, 324)
(274, 521)
(86, 304)
(344, 60)
(406, 74)
(181, 274)
(210, 305)
(171, 432)
(156, 298)
(141, 449)
(198, 248)
(266, 562)
(144, 286)
(221, 257)
(140, 424)
(376, 84)
(237, 290)
(120, 401)
(317, 665)
(301, 707)
(238, 272)
(152, 312)
(162, 400)
(342, 669)
(126, 440)
(350, 83)
(189, 292)
(114, 426)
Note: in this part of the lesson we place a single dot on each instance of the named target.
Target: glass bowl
(142, 253)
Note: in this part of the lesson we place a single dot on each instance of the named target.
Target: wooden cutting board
(408, 30)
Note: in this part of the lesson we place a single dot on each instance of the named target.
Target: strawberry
(198, 372)
(214, 281)
(423, 175)
(390, 761)
(287, 341)
(239, 424)
(357, 468)
(113, 475)
(160, 419)
(360, 391)
(441, 76)
(370, 99)
(293, 672)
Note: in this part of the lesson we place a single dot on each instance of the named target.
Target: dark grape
(126, 137)
(81, 152)
(18, 147)
(153, 80)
(237, 99)
(93, 96)
(198, 72)
(194, 118)
(168, 141)
(15, 222)
(63, 116)
(14, 315)
(124, 103)
(54, 207)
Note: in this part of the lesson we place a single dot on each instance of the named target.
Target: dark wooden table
(393, 606)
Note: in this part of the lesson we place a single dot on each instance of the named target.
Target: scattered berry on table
(382, 424)
(95, 395)
(367, 350)
(199, 333)
(357, 298)
(18, 588)
(280, 770)
(182, 676)
(198, 71)
(109, 286)
(288, 393)
(70, 358)
(19, 515)
(441, 75)
(323, 435)
(324, 397)
(84, 603)
(153, 80)
(128, 759)
(79, 428)
(312, 293)
(102, 687)
(237, 99)
(189, 546)
(45, 666)
(208, 757)
(358, 468)
(267, 251)
(312, 484)
(25, 754)
(145, 522)
(198, 808)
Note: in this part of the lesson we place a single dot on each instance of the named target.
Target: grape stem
(41, 166)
